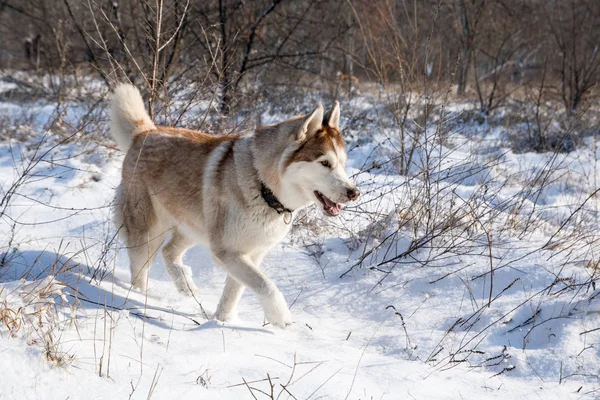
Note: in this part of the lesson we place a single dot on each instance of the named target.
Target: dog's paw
(277, 311)
(186, 288)
(226, 315)
(139, 285)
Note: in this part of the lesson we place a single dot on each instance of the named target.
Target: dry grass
(29, 309)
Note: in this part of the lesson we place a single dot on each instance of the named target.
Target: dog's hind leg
(142, 252)
(139, 228)
(173, 257)
(227, 308)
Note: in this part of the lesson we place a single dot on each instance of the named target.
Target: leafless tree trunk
(469, 13)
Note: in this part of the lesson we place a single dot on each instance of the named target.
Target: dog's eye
(326, 164)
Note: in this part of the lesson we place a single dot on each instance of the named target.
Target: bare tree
(469, 14)
(574, 27)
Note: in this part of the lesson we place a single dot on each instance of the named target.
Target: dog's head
(312, 165)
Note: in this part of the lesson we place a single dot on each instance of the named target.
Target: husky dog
(237, 195)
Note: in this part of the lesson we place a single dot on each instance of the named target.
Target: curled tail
(128, 115)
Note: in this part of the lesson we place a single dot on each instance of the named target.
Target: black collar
(272, 201)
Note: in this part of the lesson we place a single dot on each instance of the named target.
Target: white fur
(128, 115)
(332, 182)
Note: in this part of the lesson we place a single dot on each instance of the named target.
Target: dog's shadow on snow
(214, 324)
(83, 284)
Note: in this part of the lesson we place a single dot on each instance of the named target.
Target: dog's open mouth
(331, 207)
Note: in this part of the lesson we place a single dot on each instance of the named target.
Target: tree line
(489, 49)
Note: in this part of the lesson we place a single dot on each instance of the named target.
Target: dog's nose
(353, 193)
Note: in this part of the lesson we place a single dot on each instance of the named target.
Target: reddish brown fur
(324, 140)
(160, 163)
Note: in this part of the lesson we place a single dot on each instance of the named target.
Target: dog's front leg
(227, 308)
(241, 268)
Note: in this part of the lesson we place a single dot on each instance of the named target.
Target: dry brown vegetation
(487, 49)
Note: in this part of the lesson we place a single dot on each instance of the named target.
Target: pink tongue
(332, 207)
(334, 211)
(331, 204)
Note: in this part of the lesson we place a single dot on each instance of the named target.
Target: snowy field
(471, 276)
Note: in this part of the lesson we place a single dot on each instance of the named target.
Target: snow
(423, 328)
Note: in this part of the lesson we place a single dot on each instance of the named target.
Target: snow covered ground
(428, 323)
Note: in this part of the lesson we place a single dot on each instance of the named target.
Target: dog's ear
(310, 124)
(332, 118)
